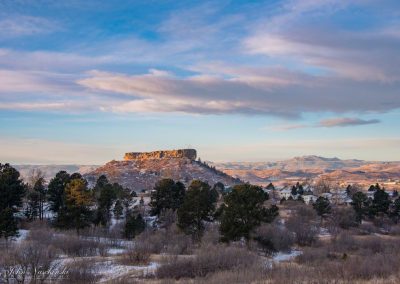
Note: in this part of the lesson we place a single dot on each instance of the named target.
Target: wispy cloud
(21, 25)
(327, 123)
(228, 63)
(288, 36)
(213, 94)
(343, 122)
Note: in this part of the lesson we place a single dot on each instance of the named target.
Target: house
(309, 198)
(285, 193)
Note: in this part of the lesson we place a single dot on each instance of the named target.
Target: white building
(309, 199)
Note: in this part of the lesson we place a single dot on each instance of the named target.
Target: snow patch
(23, 234)
(281, 256)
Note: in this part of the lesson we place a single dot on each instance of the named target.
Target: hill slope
(144, 172)
(312, 167)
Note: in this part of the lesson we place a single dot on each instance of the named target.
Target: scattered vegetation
(205, 234)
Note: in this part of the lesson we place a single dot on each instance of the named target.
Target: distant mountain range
(144, 173)
(50, 171)
(311, 167)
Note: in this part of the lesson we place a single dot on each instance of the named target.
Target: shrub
(136, 255)
(26, 260)
(313, 254)
(344, 218)
(208, 260)
(80, 272)
(305, 230)
(344, 242)
(273, 238)
(367, 229)
(170, 240)
(254, 274)
(73, 245)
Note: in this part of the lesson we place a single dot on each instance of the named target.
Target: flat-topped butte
(190, 154)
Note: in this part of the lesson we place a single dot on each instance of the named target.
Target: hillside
(142, 170)
(311, 167)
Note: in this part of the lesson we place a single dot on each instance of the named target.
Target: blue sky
(86, 81)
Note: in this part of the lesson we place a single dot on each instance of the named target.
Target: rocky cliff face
(141, 171)
(171, 154)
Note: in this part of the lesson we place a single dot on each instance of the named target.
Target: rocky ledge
(180, 153)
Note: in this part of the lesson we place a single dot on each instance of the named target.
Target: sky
(83, 82)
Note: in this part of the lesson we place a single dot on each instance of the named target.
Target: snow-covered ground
(116, 251)
(23, 234)
(282, 256)
(324, 233)
(110, 270)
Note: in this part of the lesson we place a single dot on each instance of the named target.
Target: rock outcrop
(170, 154)
(141, 171)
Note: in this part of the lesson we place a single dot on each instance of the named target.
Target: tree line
(74, 205)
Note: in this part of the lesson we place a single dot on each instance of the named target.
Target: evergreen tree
(322, 206)
(197, 207)
(78, 176)
(32, 206)
(270, 186)
(77, 213)
(118, 209)
(40, 189)
(360, 205)
(395, 210)
(106, 195)
(166, 195)
(219, 186)
(395, 193)
(101, 182)
(300, 190)
(214, 195)
(381, 201)
(8, 224)
(245, 211)
(12, 191)
(348, 190)
(134, 226)
(56, 190)
(294, 191)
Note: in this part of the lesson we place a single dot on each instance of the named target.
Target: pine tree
(8, 224)
(12, 191)
(56, 191)
(300, 190)
(381, 201)
(395, 210)
(360, 205)
(244, 212)
(134, 226)
(118, 209)
(105, 196)
(166, 195)
(77, 213)
(294, 191)
(270, 186)
(322, 206)
(33, 205)
(40, 189)
(198, 206)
